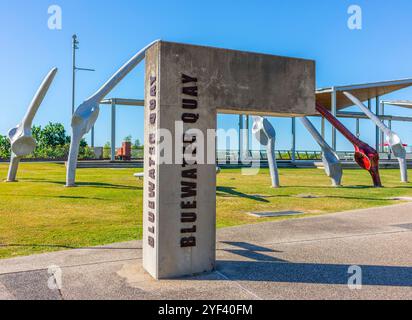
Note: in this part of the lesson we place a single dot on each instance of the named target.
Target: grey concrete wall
(243, 82)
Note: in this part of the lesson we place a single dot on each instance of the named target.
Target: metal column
(322, 124)
(357, 128)
(382, 113)
(334, 112)
(377, 131)
(92, 138)
(247, 144)
(293, 139)
(113, 137)
(241, 137)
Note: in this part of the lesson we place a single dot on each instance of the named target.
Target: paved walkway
(304, 258)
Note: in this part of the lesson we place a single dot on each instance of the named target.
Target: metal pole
(247, 147)
(382, 113)
(92, 138)
(322, 123)
(113, 138)
(241, 138)
(358, 128)
(293, 139)
(334, 112)
(377, 131)
(75, 42)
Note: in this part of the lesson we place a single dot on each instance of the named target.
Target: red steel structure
(125, 152)
(365, 156)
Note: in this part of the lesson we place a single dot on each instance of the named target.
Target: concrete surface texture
(305, 258)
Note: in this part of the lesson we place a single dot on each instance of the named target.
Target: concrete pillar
(179, 235)
(113, 133)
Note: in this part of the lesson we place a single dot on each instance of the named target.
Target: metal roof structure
(363, 92)
(399, 103)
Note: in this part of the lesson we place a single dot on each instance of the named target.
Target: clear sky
(110, 32)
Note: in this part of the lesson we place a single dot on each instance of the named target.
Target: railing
(228, 156)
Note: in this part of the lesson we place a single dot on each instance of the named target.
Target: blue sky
(110, 32)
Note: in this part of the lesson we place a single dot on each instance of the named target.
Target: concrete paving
(305, 258)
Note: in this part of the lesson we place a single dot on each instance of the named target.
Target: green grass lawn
(38, 214)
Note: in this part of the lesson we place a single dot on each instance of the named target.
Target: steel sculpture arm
(331, 162)
(365, 156)
(392, 138)
(87, 113)
(21, 140)
(266, 135)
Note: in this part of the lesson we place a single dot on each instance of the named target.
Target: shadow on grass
(87, 184)
(225, 191)
(55, 197)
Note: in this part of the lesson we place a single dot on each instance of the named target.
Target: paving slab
(305, 258)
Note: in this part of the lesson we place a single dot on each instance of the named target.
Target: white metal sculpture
(87, 113)
(266, 135)
(21, 139)
(392, 138)
(330, 159)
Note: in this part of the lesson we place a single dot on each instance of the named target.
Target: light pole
(75, 47)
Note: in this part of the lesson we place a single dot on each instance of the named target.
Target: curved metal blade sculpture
(266, 135)
(392, 138)
(22, 142)
(87, 113)
(365, 156)
(330, 159)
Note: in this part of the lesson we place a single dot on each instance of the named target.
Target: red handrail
(365, 156)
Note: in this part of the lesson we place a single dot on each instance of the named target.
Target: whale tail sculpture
(392, 138)
(365, 156)
(87, 113)
(330, 159)
(21, 140)
(266, 135)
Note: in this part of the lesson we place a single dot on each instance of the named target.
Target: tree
(128, 138)
(4, 147)
(137, 144)
(53, 135)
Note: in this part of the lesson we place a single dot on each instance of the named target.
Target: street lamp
(75, 46)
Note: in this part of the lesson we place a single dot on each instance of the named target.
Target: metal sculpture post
(392, 138)
(22, 142)
(330, 159)
(365, 156)
(87, 113)
(266, 135)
